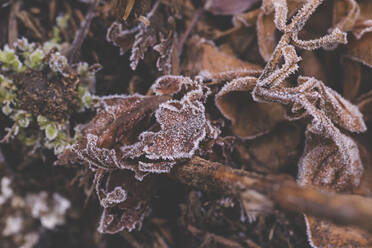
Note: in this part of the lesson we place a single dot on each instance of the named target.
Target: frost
(145, 38)
(170, 85)
(122, 210)
(58, 63)
(183, 125)
(323, 164)
(167, 49)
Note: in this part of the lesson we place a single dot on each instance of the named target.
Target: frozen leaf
(337, 36)
(121, 37)
(221, 7)
(363, 24)
(183, 126)
(362, 27)
(345, 14)
(170, 85)
(145, 38)
(249, 119)
(167, 48)
(156, 167)
(118, 122)
(125, 200)
(324, 234)
(322, 166)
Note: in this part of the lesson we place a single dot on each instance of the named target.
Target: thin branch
(281, 190)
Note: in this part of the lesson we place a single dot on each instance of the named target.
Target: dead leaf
(266, 35)
(360, 50)
(221, 7)
(249, 118)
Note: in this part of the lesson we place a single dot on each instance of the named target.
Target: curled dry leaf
(364, 103)
(183, 125)
(331, 160)
(322, 166)
(345, 14)
(118, 122)
(312, 66)
(266, 35)
(277, 151)
(249, 119)
(205, 56)
(120, 36)
(151, 31)
(221, 7)
(123, 209)
(352, 76)
(363, 24)
(360, 50)
(121, 145)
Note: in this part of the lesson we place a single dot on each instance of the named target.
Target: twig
(281, 190)
(13, 25)
(194, 21)
(73, 53)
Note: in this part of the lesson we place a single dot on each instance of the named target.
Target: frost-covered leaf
(183, 125)
(120, 36)
(345, 14)
(323, 166)
(143, 40)
(167, 49)
(170, 85)
(118, 122)
(125, 200)
(324, 234)
(363, 24)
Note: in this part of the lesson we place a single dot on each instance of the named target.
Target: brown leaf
(183, 125)
(324, 234)
(345, 14)
(365, 105)
(360, 50)
(123, 209)
(352, 76)
(249, 119)
(119, 121)
(119, 36)
(221, 7)
(277, 151)
(205, 56)
(266, 35)
(364, 23)
(312, 66)
(322, 166)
